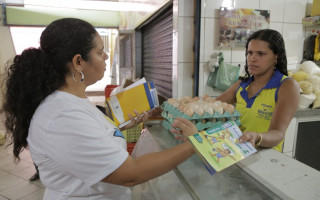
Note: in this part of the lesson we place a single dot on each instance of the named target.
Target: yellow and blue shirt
(256, 112)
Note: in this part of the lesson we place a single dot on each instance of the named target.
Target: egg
(199, 111)
(218, 103)
(205, 97)
(194, 106)
(204, 106)
(224, 105)
(209, 110)
(171, 100)
(230, 108)
(196, 98)
(189, 111)
(176, 104)
(219, 110)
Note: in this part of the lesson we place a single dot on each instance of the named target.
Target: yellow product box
(315, 9)
(142, 97)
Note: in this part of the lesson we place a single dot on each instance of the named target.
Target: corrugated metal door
(157, 52)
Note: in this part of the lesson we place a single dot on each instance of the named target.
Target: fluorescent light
(92, 5)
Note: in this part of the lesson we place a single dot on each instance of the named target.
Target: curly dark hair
(276, 44)
(37, 73)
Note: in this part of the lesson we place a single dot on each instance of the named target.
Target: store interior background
(285, 16)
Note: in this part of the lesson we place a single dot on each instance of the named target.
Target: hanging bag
(223, 77)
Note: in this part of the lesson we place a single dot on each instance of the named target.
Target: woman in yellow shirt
(266, 98)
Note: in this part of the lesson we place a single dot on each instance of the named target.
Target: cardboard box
(142, 97)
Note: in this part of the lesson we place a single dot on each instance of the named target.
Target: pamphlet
(219, 147)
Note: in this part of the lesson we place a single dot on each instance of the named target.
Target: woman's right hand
(183, 128)
(135, 121)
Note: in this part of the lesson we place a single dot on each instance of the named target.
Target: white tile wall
(186, 8)
(238, 55)
(276, 8)
(210, 9)
(285, 17)
(209, 37)
(175, 81)
(185, 71)
(251, 4)
(278, 26)
(294, 11)
(293, 36)
(185, 39)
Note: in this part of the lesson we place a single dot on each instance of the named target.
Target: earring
(275, 65)
(82, 77)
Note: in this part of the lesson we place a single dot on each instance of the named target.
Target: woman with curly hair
(265, 97)
(80, 153)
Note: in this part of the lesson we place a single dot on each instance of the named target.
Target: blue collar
(274, 82)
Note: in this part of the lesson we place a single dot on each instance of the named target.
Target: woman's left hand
(183, 128)
(136, 120)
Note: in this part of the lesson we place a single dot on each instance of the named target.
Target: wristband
(258, 144)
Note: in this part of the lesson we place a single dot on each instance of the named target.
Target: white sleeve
(83, 147)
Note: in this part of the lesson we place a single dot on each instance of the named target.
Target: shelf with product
(312, 30)
(311, 21)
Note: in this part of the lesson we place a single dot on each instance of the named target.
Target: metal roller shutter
(157, 52)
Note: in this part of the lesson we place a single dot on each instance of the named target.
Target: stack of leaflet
(140, 96)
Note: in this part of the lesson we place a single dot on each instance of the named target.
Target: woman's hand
(136, 120)
(183, 128)
(252, 137)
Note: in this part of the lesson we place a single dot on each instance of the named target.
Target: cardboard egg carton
(169, 112)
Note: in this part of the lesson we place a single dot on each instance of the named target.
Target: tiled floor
(14, 178)
(14, 183)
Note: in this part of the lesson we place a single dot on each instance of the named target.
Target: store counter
(267, 174)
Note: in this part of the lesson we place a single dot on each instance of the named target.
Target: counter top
(283, 175)
(267, 174)
(307, 112)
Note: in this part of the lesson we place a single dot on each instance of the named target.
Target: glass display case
(191, 180)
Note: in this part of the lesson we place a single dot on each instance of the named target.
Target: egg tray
(202, 122)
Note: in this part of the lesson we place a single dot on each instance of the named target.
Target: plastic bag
(300, 76)
(145, 144)
(306, 87)
(212, 78)
(310, 67)
(306, 100)
(316, 102)
(225, 76)
(315, 80)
